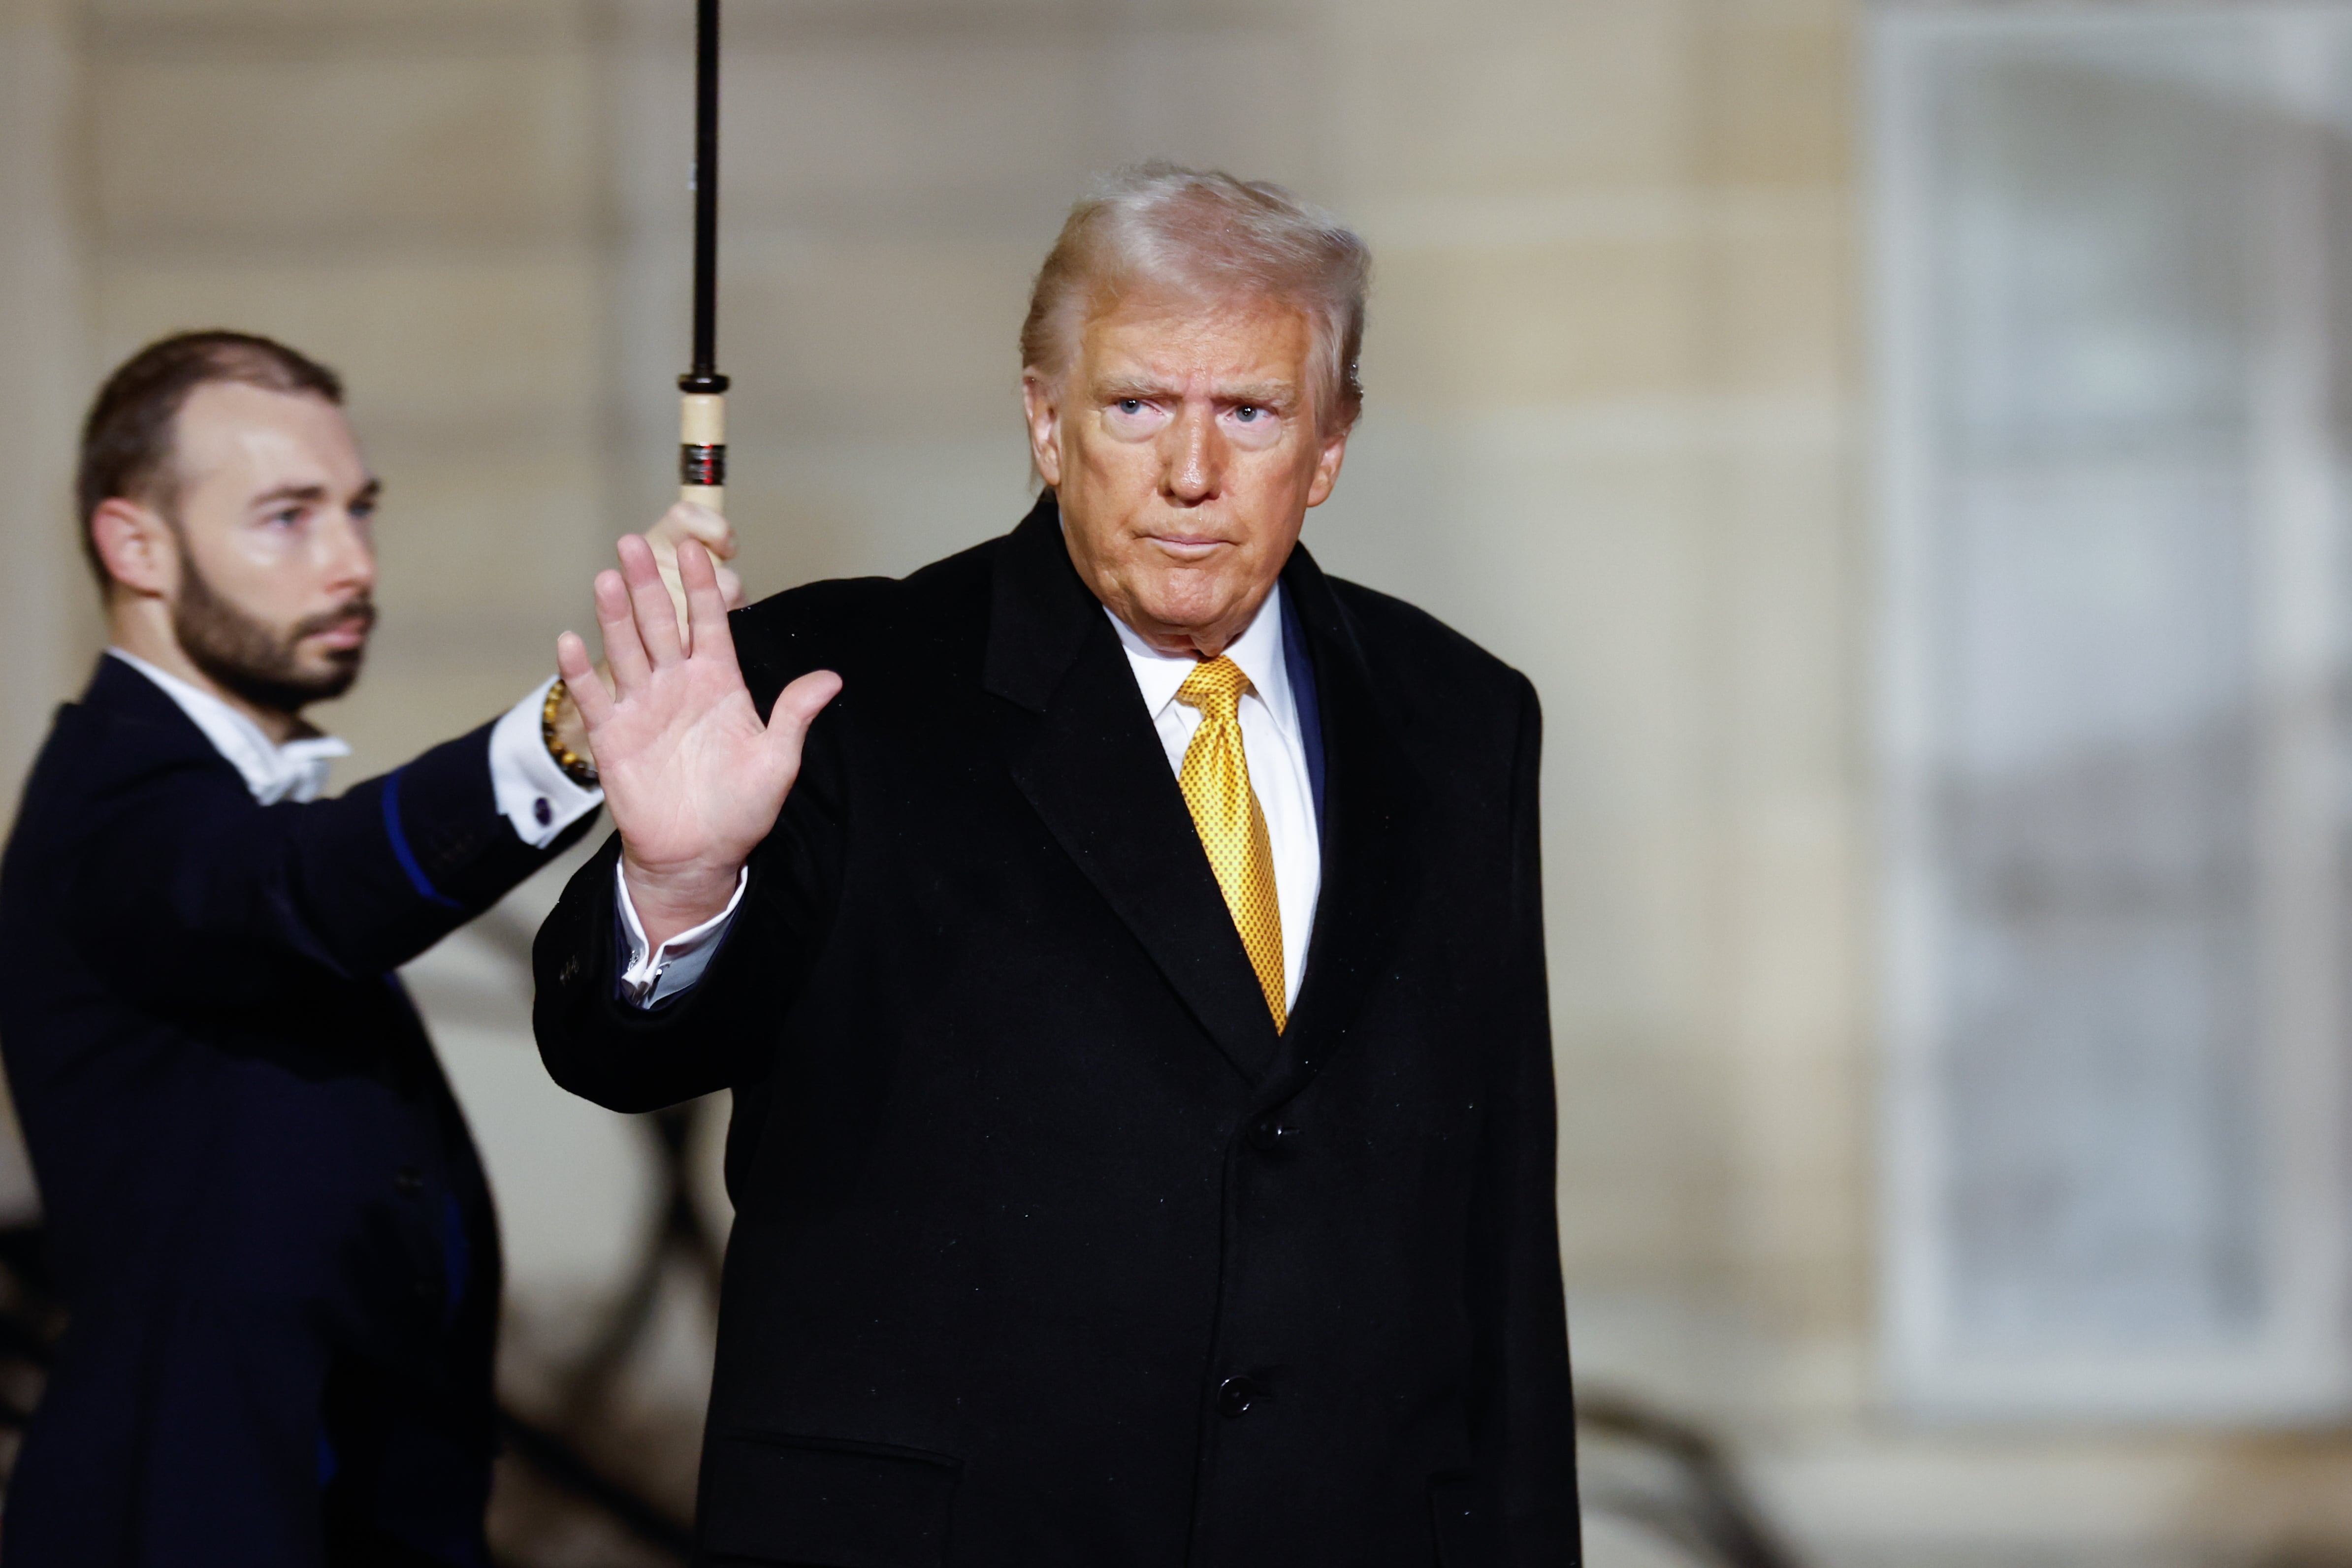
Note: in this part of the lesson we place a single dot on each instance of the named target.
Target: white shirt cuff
(678, 962)
(534, 794)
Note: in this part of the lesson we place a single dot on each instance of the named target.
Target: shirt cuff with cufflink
(532, 789)
(660, 973)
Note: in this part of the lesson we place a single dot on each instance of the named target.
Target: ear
(1327, 466)
(137, 547)
(1041, 404)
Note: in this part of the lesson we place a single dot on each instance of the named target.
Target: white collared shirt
(1271, 741)
(532, 793)
(294, 771)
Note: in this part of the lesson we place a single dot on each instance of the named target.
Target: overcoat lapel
(1077, 741)
(1370, 795)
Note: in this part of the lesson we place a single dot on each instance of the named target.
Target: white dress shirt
(1271, 741)
(294, 771)
(532, 793)
(666, 970)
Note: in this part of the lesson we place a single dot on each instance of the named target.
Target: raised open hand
(693, 780)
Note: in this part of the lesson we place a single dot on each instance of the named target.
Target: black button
(1266, 1133)
(408, 1179)
(542, 811)
(1237, 1395)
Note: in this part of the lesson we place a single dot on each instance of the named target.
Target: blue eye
(1247, 413)
(1131, 405)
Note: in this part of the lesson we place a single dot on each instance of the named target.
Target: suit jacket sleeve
(186, 890)
(1523, 1412)
(720, 1032)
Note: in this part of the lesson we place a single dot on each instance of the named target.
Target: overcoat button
(1237, 1395)
(1266, 1133)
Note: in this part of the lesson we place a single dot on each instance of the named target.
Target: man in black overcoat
(273, 1235)
(1124, 944)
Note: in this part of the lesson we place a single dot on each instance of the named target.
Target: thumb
(796, 708)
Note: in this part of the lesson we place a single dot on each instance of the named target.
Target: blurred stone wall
(414, 193)
(1613, 432)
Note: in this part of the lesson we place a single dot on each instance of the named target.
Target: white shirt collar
(1258, 651)
(294, 771)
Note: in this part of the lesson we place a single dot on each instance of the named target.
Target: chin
(1185, 593)
(1181, 613)
(1208, 606)
(334, 674)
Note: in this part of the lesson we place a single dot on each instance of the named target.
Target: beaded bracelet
(576, 768)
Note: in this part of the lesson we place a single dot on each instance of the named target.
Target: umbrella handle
(702, 449)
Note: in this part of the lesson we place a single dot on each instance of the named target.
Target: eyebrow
(311, 494)
(291, 493)
(1263, 393)
(1119, 387)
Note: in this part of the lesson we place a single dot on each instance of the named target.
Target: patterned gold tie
(1216, 784)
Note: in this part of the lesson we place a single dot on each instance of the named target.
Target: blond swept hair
(1218, 238)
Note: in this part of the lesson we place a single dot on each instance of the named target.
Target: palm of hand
(688, 771)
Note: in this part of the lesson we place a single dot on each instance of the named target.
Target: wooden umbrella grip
(702, 449)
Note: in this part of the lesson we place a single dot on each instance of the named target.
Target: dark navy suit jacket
(273, 1233)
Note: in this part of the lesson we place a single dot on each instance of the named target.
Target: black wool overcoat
(1049, 1250)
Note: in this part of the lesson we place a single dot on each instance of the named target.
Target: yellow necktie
(1216, 784)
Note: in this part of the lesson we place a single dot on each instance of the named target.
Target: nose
(347, 553)
(1194, 463)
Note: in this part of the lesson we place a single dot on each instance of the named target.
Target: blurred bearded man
(1131, 987)
(273, 1234)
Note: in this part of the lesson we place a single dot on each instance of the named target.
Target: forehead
(1175, 339)
(230, 433)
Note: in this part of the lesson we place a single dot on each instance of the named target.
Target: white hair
(1209, 234)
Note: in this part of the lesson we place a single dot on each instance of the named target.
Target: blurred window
(2110, 247)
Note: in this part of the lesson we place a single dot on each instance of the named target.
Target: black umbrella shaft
(702, 411)
(706, 197)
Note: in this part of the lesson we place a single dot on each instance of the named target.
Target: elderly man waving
(1124, 942)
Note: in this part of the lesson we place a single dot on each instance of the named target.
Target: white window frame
(2297, 1366)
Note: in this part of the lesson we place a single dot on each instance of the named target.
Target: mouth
(1189, 546)
(344, 634)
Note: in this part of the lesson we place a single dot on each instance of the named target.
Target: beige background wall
(1615, 433)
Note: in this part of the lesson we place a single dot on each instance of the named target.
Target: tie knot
(1215, 687)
